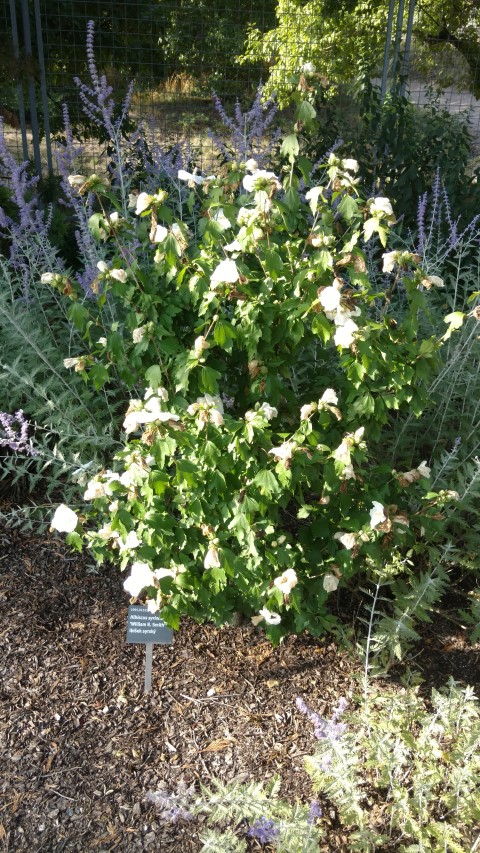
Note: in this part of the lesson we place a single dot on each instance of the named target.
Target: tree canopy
(344, 39)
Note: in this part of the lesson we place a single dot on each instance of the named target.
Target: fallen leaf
(219, 744)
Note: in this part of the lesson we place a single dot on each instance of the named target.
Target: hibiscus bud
(200, 344)
(212, 558)
(253, 368)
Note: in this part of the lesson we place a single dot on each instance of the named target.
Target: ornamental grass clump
(263, 370)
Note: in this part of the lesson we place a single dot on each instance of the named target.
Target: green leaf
(305, 112)
(267, 483)
(427, 347)
(219, 577)
(370, 226)
(291, 200)
(171, 249)
(74, 540)
(348, 207)
(98, 375)
(153, 376)
(304, 511)
(185, 466)
(171, 616)
(273, 263)
(290, 147)
(115, 345)
(78, 315)
(97, 225)
(187, 473)
(364, 405)
(324, 260)
(383, 235)
(184, 366)
(305, 167)
(322, 327)
(454, 320)
(158, 481)
(356, 372)
(209, 380)
(211, 453)
(224, 334)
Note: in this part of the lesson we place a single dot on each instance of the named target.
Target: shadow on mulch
(82, 745)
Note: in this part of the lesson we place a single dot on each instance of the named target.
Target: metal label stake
(148, 666)
(148, 628)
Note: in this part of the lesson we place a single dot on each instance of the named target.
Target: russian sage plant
(237, 811)
(447, 433)
(248, 131)
(404, 772)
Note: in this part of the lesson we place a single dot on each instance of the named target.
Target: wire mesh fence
(178, 51)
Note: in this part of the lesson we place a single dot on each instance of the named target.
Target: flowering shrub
(265, 368)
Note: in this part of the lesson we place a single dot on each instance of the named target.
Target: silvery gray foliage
(417, 762)
(64, 428)
(236, 810)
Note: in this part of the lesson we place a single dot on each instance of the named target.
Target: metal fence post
(408, 44)
(31, 88)
(386, 55)
(43, 84)
(21, 102)
(398, 37)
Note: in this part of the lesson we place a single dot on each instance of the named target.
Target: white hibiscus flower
(225, 273)
(284, 452)
(212, 558)
(329, 298)
(287, 581)
(140, 577)
(64, 519)
(377, 514)
(269, 411)
(344, 336)
(347, 539)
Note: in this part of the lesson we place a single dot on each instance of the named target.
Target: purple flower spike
(314, 812)
(15, 433)
(247, 130)
(264, 830)
(325, 729)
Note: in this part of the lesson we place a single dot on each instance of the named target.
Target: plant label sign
(148, 628)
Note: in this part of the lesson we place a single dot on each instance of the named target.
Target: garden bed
(82, 745)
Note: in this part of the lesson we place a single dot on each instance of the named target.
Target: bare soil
(81, 745)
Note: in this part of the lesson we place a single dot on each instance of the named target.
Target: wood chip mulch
(81, 745)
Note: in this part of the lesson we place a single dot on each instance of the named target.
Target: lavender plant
(401, 773)
(59, 426)
(447, 434)
(402, 598)
(405, 774)
(238, 811)
(25, 231)
(250, 132)
(14, 433)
